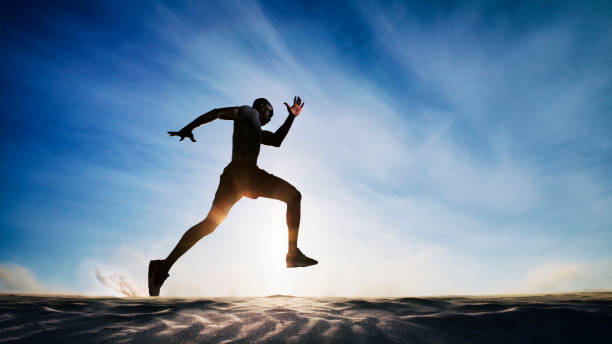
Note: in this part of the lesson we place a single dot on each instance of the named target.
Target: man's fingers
(302, 106)
(297, 102)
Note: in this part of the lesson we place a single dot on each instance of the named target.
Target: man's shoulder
(247, 112)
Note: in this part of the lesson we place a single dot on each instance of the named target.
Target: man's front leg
(295, 258)
(293, 222)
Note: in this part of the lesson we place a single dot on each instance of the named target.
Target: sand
(566, 318)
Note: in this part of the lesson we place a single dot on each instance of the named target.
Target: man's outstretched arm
(230, 113)
(276, 138)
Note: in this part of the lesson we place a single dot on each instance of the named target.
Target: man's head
(263, 106)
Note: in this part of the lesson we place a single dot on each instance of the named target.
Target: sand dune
(567, 318)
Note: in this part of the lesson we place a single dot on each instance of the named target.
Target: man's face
(265, 113)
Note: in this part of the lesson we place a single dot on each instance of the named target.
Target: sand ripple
(567, 318)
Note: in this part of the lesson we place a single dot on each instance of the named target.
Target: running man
(242, 177)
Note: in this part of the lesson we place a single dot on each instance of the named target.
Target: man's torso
(246, 139)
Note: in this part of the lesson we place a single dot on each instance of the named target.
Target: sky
(454, 148)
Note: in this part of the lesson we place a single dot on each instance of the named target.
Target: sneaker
(299, 260)
(157, 276)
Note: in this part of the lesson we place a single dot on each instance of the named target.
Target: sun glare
(274, 247)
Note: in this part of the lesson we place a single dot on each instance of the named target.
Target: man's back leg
(158, 269)
(216, 215)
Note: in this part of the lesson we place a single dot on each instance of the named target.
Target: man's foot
(157, 276)
(299, 260)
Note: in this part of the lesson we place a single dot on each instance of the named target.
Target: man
(240, 178)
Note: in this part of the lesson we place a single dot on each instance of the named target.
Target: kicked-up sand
(558, 318)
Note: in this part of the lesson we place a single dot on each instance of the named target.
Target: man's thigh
(270, 186)
(226, 196)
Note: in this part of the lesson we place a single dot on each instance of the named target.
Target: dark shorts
(251, 181)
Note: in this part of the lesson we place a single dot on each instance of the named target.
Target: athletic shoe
(298, 260)
(157, 276)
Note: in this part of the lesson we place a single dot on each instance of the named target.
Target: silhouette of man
(242, 177)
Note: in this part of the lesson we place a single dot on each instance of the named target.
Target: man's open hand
(182, 134)
(297, 106)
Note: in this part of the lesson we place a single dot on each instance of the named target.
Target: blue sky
(456, 148)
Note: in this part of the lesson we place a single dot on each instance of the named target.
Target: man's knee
(296, 197)
(217, 214)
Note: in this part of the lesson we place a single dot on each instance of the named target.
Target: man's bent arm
(275, 139)
(223, 113)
